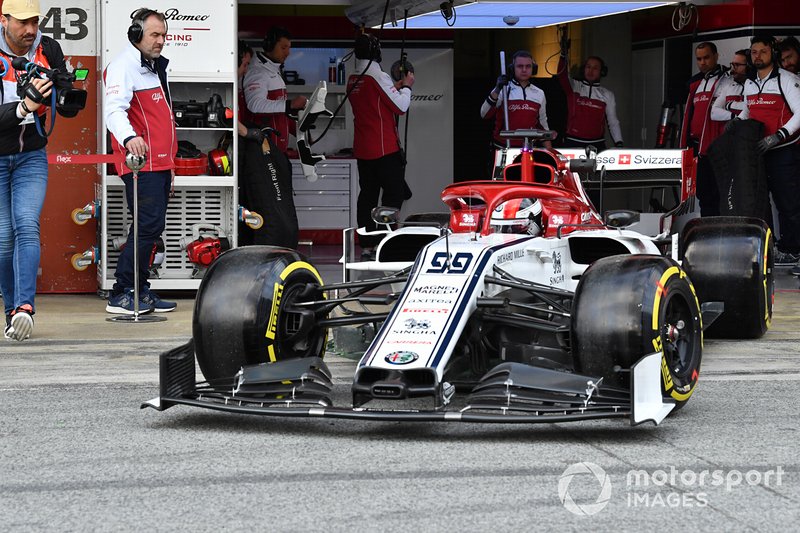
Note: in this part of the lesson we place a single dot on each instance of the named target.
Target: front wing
(510, 393)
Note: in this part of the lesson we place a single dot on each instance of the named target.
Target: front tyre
(628, 306)
(246, 313)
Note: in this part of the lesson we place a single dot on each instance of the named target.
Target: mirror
(385, 215)
(582, 165)
(621, 218)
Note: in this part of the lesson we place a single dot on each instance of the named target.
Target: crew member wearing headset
(268, 103)
(698, 130)
(377, 101)
(772, 95)
(138, 112)
(589, 106)
(729, 96)
(527, 105)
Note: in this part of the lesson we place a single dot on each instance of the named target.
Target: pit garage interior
(648, 50)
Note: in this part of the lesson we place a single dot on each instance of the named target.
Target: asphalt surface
(78, 454)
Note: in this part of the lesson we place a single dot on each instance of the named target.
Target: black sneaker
(7, 329)
(122, 304)
(151, 299)
(795, 271)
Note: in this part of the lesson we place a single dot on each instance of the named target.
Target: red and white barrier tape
(85, 159)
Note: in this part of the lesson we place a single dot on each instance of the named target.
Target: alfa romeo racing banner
(198, 43)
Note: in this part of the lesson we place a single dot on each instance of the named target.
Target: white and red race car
(522, 304)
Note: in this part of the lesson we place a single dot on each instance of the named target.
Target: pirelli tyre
(628, 306)
(245, 311)
(730, 260)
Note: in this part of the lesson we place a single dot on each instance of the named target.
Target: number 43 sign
(70, 25)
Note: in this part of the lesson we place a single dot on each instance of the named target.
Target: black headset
(275, 34)
(603, 66)
(521, 53)
(136, 29)
(367, 46)
(773, 45)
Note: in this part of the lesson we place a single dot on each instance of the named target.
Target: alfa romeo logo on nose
(596, 476)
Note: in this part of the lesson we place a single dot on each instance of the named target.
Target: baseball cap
(21, 9)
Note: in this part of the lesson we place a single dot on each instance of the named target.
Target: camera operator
(23, 162)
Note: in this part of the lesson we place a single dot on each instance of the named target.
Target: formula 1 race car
(522, 305)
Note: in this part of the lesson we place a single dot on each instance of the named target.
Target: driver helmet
(520, 216)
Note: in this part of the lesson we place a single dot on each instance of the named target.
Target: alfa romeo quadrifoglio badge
(401, 358)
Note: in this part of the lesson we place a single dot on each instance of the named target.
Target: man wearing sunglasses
(729, 100)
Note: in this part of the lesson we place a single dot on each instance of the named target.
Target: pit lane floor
(76, 453)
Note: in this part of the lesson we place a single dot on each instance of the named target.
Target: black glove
(729, 125)
(770, 141)
(254, 134)
(502, 81)
(618, 144)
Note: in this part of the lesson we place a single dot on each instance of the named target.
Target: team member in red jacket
(138, 113)
(527, 105)
(377, 101)
(729, 96)
(698, 130)
(268, 103)
(589, 106)
(773, 98)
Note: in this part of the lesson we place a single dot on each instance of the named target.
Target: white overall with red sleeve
(266, 98)
(527, 109)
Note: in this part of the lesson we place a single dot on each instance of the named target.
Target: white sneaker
(21, 325)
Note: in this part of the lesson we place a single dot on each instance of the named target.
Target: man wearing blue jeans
(139, 116)
(23, 163)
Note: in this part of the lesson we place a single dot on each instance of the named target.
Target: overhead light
(485, 14)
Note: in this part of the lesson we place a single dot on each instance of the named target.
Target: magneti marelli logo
(582, 473)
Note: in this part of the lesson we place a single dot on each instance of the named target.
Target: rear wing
(641, 168)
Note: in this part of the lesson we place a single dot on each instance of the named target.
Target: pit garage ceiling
(466, 14)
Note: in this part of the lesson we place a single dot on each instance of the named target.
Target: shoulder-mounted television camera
(69, 100)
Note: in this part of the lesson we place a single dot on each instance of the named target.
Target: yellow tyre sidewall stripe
(767, 314)
(658, 344)
(277, 294)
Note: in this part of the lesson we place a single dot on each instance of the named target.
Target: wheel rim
(679, 328)
(294, 332)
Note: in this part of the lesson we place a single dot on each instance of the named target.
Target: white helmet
(520, 216)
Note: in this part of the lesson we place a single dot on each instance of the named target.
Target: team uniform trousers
(154, 190)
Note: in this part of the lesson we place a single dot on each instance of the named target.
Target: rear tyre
(730, 260)
(245, 311)
(628, 306)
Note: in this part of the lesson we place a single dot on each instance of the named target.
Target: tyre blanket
(739, 170)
